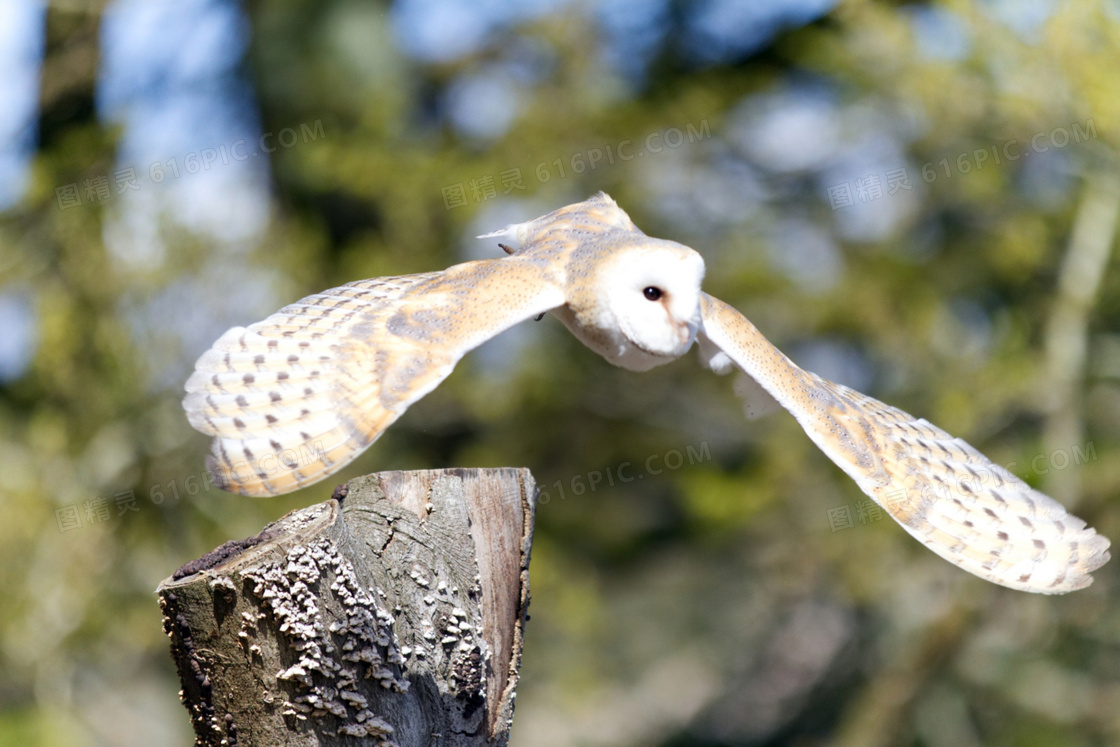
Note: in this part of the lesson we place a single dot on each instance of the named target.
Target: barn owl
(292, 399)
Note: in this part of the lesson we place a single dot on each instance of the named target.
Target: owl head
(651, 302)
(631, 298)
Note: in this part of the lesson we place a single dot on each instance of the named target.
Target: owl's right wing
(945, 493)
(295, 397)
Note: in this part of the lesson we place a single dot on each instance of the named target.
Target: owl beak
(686, 332)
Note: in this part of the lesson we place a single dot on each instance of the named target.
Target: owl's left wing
(297, 396)
(945, 493)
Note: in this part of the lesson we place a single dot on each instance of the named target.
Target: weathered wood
(391, 614)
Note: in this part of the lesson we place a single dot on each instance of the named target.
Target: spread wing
(294, 398)
(945, 493)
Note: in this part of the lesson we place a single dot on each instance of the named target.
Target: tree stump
(391, 614)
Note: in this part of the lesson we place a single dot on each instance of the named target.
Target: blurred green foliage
(711, 604)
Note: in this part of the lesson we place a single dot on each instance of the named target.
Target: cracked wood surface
(391, 614)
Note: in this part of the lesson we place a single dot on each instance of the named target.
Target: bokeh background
(918, 200)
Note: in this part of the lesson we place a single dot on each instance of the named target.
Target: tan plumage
(299, 395)
(945, 493)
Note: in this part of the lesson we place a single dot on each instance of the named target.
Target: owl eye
(652, 293)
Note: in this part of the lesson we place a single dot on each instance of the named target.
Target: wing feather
(297, 396)
(944, 492)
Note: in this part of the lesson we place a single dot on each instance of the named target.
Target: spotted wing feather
(944, 492)
(297, 396)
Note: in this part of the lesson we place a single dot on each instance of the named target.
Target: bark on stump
(391, 614)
